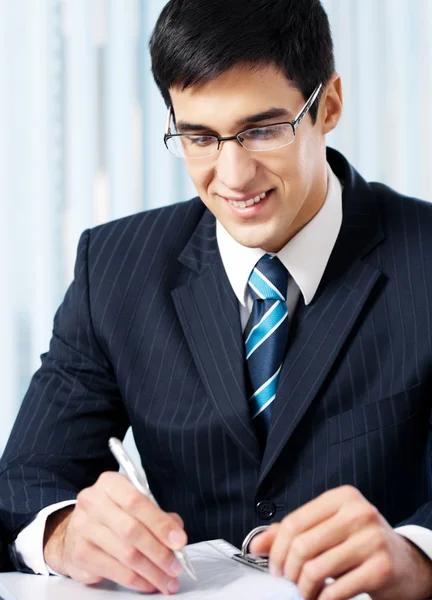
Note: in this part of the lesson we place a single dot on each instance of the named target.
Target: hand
(341, 535)
(115, 532)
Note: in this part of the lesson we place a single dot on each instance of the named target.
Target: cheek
(201, 177)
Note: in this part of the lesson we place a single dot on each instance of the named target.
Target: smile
(250, 202)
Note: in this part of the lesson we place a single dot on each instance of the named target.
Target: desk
(219, 578)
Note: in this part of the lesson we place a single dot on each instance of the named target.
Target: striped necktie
(266, 337)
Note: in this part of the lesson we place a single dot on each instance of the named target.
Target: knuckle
(162, 528)
(132, 501)
(130, 530)
(177, 518)
(81, 552)
(156, 551)
(78, 521)
(368, 513)
(299, 548)
(84, 498)
(132, 579)
(106, 478)
(311, 573)
(378, 540)
(147, 587)
(160, 554)
(288, 527)
(350, 492)
(384, 568)
(131, 555)
(329, 594)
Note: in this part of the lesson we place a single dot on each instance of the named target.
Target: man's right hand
(115, 532)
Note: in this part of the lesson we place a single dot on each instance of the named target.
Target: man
(268, 342)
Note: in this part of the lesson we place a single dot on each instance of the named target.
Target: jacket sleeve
(422, 517)
(59, 442)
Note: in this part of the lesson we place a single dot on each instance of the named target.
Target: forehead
(238, 92)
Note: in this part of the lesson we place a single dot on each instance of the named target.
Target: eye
(261, 133)
(199, 140)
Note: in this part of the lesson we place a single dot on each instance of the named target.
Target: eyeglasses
(257, 139)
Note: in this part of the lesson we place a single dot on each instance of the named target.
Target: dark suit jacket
(149, 335)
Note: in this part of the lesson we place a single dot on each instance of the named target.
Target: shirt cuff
(28, 546)
(420, 536)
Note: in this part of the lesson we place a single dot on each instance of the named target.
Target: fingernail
(176, 568)
(177, 540)
(274, 570)
(173, 586)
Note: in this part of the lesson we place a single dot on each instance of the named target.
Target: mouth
(250, 206)
(249, 202)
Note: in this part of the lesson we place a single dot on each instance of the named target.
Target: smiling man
(264, 196)
(268, 341)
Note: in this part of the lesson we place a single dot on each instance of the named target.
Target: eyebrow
(271, 113)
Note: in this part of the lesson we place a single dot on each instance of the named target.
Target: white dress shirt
(305, 257)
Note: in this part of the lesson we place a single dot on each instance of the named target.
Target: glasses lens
(192, 146)
(269, 137)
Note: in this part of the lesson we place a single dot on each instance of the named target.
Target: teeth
(248, 202)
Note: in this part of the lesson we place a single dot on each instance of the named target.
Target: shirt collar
(305, 256)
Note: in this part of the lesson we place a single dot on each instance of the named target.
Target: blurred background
(81, 128)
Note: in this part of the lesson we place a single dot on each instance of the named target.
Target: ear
(331, 104)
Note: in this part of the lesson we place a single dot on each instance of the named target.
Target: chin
(252, 242)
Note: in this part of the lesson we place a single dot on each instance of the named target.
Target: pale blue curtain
(81, 125)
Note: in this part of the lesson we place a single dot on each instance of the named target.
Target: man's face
(293, 178)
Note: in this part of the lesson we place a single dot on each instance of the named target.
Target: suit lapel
(320, 329)
(208, 312)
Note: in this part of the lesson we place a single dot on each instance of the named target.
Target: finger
(304, 518)
(367, 578)
(131, 532)
(132, 558)
(162, 525)
(91, 560)
(262, 542)
(339, 560)
(177, 518)
(313, 543)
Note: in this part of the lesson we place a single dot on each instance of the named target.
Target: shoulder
(402, 214)
(159, 230)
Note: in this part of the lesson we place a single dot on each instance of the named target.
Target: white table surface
(219, 578)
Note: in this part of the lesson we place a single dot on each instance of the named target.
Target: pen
(138, 478)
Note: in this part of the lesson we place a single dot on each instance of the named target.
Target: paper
(219, 578)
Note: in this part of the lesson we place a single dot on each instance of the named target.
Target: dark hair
(195, 41)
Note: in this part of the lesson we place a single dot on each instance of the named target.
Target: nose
(235, 166)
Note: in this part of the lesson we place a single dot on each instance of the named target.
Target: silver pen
(138, 478)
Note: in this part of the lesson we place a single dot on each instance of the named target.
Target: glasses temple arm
(168, 122)
(299, 118)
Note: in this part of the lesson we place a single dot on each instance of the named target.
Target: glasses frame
(294, 124)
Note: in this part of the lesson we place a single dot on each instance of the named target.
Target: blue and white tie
(266, 337)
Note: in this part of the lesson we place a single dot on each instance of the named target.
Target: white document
(219, 578)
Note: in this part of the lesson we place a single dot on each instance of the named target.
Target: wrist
(54, 535)
(421, 570)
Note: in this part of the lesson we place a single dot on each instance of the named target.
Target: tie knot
(269, 279)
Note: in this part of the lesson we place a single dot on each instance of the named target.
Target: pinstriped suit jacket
(149, 335)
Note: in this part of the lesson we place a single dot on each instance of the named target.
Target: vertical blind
(81, 126)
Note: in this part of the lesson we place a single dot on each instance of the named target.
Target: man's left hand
(342, 536)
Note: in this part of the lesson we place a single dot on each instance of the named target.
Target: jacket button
(265, 509)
